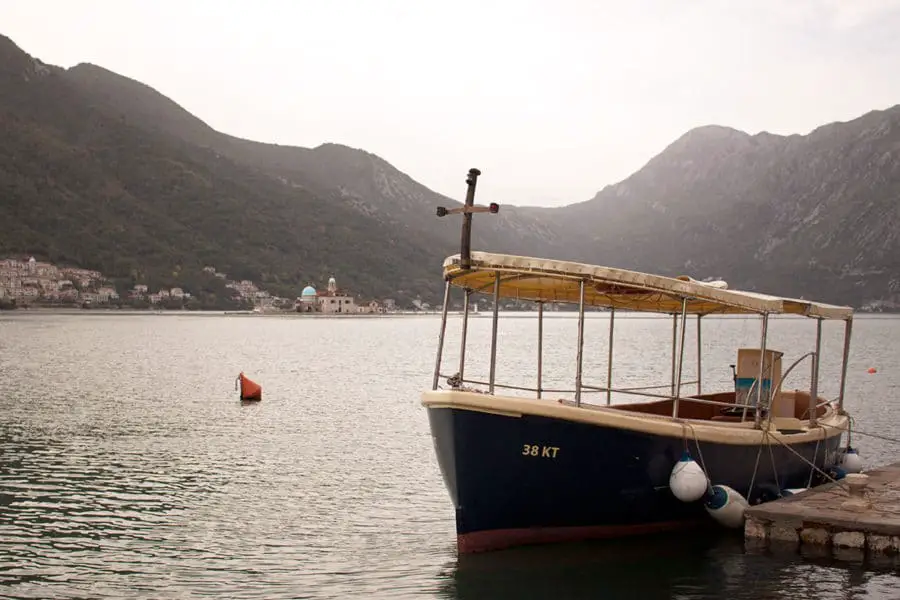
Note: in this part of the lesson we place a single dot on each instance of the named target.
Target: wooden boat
(534, 465)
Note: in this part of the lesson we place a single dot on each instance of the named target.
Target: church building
(330, 302)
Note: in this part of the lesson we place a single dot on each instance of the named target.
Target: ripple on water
(127, 468)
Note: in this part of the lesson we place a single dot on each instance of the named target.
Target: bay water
(130, 469)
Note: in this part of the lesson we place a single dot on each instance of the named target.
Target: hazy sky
(551, 99)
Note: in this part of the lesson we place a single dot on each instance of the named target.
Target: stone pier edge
(809, 532)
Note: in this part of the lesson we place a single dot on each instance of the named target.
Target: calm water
(129, 469)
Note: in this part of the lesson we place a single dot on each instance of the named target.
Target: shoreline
(229, 313)
(58, 311)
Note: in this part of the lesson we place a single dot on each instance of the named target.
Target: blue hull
(536, 479)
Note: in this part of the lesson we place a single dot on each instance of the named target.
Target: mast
(465, 242)
(467, 209)
(465, 260)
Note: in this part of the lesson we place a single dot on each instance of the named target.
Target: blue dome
(308, 291)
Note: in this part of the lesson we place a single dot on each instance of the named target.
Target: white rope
(684, 425)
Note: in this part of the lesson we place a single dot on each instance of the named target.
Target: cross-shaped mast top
(469, 207)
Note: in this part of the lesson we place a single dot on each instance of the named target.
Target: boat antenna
(467, 209)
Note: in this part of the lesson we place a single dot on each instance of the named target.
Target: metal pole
(465, 244)
(848, 329)
(578, 359)
(762, 369)
(680, 358)
(462, 340)
(440, 348)
(540, 349)
(674, 348)
(814, 380)
(612, 320)
(494, 332)
(699, 358)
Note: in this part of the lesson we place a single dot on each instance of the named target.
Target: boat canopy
(544, 280)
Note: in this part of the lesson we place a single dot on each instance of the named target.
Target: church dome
(308, 291)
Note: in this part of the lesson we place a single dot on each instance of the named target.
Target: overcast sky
(551, 99)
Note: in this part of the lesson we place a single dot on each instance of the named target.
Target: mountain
(102, 171)
(85, 184)
(815, 215)
(335, 173)
(141, 189)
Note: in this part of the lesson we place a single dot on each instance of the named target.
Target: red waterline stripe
(498, 539)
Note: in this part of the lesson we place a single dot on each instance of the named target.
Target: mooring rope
(815, 456)
(772, 460)
(866, 433)
(684, 426)
(806, 460)
(755, 470)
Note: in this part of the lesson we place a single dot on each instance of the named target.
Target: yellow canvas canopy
(539, 279)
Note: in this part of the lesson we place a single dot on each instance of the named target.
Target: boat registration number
(540, 451)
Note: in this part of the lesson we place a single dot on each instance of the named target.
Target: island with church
(335, 301)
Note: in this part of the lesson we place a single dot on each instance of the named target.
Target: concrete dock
(855, 517)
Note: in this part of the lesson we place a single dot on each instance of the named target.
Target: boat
(530, 465)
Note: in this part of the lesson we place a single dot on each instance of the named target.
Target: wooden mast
(467, 209)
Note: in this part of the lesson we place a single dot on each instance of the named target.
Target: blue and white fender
(726, 506)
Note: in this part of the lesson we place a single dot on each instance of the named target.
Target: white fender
(688, 481)
(851, 461)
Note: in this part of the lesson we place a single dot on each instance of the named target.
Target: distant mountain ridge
(815, 215)
(150, 187)
(354, 176)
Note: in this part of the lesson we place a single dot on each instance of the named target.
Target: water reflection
(683, 568)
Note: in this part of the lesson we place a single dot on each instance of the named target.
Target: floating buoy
(872, 370)
(688, 481)
(250, 390)
(726, 506)
(851, 461)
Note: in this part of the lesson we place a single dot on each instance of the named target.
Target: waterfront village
(29, 282)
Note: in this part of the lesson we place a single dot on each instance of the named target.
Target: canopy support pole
(462, 340)
(848, 329)
(814, 377)
(440, 348)
(680, 358)
(612, 321)
(674, 348)
(540, 349)
(699, 358)
(762, 369)
(494, 332)
(580, 354)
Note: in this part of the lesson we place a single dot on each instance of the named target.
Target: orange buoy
(250, 390)
(872, 370)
